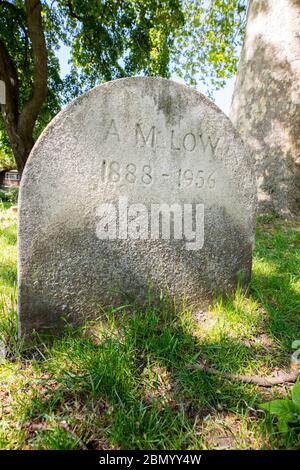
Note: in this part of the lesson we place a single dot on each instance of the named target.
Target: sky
(222, 98)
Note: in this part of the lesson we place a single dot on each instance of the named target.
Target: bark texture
(266, 102)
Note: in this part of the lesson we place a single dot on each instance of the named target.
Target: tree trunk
(266, 101)
(21, 145)
(20, 123)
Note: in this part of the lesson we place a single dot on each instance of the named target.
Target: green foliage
(115, 39)
(9, 195)
(196, 40)
(7, 161)
(286, 411)
(208, 46)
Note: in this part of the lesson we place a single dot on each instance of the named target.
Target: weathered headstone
(139, 185)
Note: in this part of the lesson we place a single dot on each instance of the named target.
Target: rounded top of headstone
(156, 115)
(170, 98)
(134, 145)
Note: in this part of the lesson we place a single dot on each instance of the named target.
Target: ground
(126, 381)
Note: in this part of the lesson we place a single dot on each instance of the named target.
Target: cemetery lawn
(127, 381)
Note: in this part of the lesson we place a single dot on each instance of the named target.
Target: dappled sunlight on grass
(8, 249)
(8, 275)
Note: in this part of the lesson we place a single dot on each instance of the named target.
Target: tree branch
(72, 12)
(33, 106)
(266, 381)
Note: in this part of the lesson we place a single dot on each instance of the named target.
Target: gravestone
(139, 187)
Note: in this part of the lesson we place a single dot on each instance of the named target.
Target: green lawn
(125, 382)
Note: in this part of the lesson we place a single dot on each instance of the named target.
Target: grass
(123, 382)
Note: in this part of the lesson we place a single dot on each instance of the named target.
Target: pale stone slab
(133, 141)
(2, 92)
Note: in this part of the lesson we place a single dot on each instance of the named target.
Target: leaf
(296, 396)
(283, 426)
(277, 407)
(197, 21)
(285, 411)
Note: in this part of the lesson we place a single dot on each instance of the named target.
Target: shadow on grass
(124, 382)
(133, 376)
(276, 287)
(281, 301)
